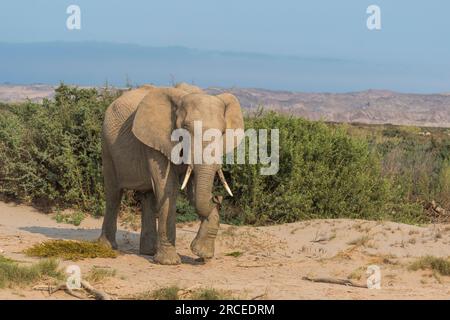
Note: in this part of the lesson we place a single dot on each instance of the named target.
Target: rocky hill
(372, 106)
(19, 93)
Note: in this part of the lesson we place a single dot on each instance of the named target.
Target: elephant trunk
(204, 181)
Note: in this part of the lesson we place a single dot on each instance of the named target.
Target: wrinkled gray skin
(136, 150)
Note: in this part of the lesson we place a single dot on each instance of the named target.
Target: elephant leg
(166, 251)
(203, 244)
(113, 196)
(172, 222)
(166, 191)
(148, 230)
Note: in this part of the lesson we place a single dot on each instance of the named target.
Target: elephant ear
(155, 119)
(233, 115)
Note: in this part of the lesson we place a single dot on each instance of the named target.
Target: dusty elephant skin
(136, 150)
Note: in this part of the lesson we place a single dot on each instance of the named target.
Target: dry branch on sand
(98, 294)
(343, 282)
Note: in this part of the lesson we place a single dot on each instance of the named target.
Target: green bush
(324, 173)
(50, 154)
(50, 157)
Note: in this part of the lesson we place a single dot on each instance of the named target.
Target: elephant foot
(203, 248)
(147, 250)
(108, 241)
(147, 246)
(167, 256)
(203, 244)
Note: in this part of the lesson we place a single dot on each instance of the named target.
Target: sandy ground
(272, 265)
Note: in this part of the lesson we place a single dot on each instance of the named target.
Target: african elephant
(136, 155)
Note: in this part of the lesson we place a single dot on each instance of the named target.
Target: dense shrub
(50, 156)
(419, 167)
(324, 173)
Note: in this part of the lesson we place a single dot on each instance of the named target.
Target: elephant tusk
(224, 182)
(186, 177)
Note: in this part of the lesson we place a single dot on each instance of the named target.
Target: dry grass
(175, 293)
(235, 254)
(439, 265)
(70, 250)
(12, 274)
(167, 293)
(357, 274)
(360, 242)
(74, 218)
(344, 254)
(210, 294)
(383, 259)
(130, 219)
(97, 274)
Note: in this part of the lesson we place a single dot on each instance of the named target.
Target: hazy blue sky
(327, 27)
(413, 32)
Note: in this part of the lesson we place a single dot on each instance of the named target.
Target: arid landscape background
(357, 94)
(347, 196)
(371, 107)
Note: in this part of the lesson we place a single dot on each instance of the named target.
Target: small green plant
(235, 254)
(97, 274)
(12, 274)
(185, 212)
(210, 294)
(357, 274)
(74, 218)
(70, 250)
(439, 265)
(168, 293)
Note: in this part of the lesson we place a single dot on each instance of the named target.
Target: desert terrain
(369, 107)
(21, 93)
(250, 262)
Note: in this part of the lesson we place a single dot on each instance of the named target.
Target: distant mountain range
(95, 63)
(372, 106)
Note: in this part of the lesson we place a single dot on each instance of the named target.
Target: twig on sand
(53, 289)
(258, 296)
(343, 282)
(73, 293)
(98, 294)
(252, 265)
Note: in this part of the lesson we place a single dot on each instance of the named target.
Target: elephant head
(165, 109)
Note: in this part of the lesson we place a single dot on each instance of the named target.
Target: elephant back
(120, 110)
